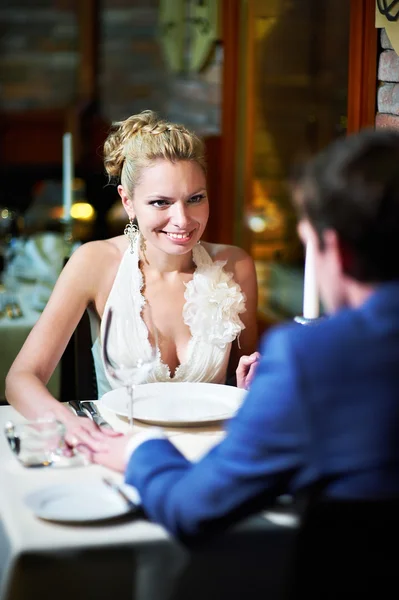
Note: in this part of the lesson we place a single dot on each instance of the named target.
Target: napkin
(39, 258)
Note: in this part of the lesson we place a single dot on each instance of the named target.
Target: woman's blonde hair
(134, 143)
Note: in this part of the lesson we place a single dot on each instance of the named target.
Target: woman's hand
(246, 370)
(83, 431)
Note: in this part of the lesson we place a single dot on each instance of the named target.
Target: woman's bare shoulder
(94, 263)
(96, 252)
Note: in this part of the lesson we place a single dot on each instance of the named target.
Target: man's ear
(127, 203)
(340, 249)
(346, 256)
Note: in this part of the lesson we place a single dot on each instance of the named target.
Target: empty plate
(81, 502)
(177, 404)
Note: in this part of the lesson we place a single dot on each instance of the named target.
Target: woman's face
(170, 204)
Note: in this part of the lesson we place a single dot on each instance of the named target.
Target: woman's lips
(179, 237)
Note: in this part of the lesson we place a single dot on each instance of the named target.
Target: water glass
(37, 443)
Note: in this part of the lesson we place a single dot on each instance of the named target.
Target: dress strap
(214, 301)
(201, 257)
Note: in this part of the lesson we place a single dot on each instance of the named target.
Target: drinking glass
(37, 443)
(136, 371)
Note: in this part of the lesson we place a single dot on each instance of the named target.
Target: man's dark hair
(353, 188)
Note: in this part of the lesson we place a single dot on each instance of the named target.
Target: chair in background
(78, 376)
(347, 550)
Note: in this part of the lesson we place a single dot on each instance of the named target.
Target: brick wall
(38, 54)
(388, 90)
(39, 60)
(135, 77)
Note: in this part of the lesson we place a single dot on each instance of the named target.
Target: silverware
(118, 489)
(77, 407)
(91, 409)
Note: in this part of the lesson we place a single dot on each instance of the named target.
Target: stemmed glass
(134, 373)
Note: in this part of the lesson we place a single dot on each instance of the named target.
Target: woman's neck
(162, 263)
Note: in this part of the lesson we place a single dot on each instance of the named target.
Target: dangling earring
(131, 231)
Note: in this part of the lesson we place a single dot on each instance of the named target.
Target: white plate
(177, 404)
(80, 502)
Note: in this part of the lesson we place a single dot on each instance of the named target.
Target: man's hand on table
(116, 451)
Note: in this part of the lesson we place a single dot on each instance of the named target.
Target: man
(323, 409)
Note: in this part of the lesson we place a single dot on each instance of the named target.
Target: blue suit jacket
(324, 407)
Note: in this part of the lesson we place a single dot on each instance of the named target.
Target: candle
(310, 295)
(67, 175)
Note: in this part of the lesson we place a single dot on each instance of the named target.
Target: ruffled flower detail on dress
(213, 302)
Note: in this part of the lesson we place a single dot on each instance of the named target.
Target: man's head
(347, 198)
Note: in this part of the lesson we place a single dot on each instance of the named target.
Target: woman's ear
(127, 203)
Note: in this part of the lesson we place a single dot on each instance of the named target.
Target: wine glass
(134, 372)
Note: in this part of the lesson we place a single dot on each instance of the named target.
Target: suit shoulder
(326, 332)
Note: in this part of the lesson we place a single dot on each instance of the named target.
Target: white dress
(211, 311)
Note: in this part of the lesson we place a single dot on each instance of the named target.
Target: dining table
(129, 556)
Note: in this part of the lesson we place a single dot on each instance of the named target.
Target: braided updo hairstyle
(136, 142)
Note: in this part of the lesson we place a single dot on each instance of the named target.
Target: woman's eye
(197, 198)
(159, 203)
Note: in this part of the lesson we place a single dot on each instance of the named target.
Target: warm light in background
(82, 211)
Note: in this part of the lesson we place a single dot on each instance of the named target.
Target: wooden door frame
(362, 84)
(362, 72)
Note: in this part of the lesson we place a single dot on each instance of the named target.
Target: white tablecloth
(13, 333)
(131, 558)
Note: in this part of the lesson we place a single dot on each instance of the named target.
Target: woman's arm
(245, 276)
(78, 285)
(243, 348)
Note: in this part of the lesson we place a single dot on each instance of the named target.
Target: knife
(91, 409)
(76, 406)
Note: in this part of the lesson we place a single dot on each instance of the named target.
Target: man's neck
(358, 293)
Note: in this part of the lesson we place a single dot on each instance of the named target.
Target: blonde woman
(203, 296)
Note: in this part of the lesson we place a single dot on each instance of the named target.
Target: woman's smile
(179, 237)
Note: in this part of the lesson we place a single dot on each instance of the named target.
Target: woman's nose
(180, 216)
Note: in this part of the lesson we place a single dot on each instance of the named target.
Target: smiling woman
(202, 296)
(169, 203)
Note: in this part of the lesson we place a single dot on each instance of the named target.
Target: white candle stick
(310, 295)
(67, 175)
